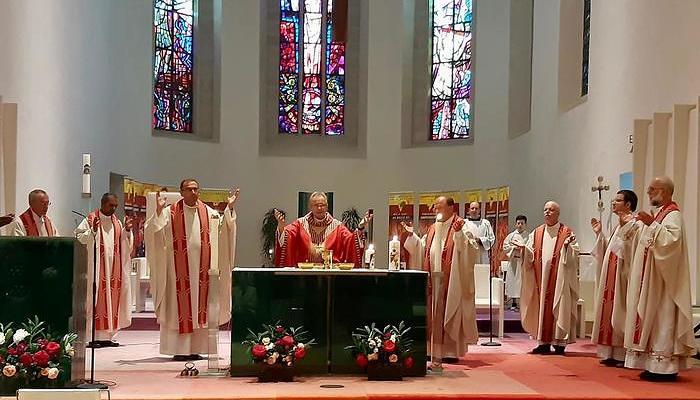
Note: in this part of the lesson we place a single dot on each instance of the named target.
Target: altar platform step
(505, 372)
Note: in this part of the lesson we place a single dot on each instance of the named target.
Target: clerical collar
(320, 222)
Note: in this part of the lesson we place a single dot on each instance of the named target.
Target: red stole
(605, 332)
(297, 246)
(182, 274)
(667, 209)
(115, 281)
(30, 225)
(445, 266)
(548, 310)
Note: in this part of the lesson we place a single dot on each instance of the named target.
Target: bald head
(660, 191)
(551, 213)
(474, 210)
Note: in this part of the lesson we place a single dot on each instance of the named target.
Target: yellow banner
(471, 195)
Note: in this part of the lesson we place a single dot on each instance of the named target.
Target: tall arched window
(451, 96)
(312, 66)
(173, 60)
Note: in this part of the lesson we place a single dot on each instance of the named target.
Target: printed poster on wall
(426, 209)
(501, 230)
(400, 210)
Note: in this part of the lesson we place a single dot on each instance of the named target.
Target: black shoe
(559, 350)
(609, 362)
(542, 349)
(97, 344)
(450, 360)
(181, 357)
(111, 343)
(653, 377)
(195, 357)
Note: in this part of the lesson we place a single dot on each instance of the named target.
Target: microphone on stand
(91, 384)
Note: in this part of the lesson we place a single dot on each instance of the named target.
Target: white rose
(2, 338)
(266, 341)
(9, 370)
(300, 345)
(53, 373)
(269, 346)
(20, 335)
(70, 350)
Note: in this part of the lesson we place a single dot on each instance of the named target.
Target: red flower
(408, 362)
(42, 343)
(53, 348)
(17, 349)
(299, 353)
(387, 335)
(288, 341)
(25, 359)
(258, 351)
(361, 361)
(279, 329)
(389, 346)
(41, 358)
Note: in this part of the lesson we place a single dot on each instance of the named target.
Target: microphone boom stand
(490, 342)
(91, 384)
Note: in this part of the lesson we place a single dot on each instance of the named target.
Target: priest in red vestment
(304, 239)
(34, 221)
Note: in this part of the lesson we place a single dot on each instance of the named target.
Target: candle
(394, 253)
(369, 256)
(86, 175)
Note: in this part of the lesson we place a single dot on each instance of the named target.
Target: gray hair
(35, 193)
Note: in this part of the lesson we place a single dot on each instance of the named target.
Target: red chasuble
(115, 282)
(182, 275)
(298, 243)
(30, 225)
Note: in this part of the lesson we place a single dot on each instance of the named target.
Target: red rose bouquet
(386, 346)
(277, 344)
(30, 356)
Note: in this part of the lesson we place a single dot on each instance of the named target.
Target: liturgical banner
(400, 210)
(426, 209)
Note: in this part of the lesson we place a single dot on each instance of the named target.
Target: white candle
(86, 174)
(369, 256)
(394, 254)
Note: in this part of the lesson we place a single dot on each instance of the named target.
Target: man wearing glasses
(34, 221)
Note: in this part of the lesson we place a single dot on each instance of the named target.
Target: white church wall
(81, 76)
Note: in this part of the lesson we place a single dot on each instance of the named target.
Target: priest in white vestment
(34, 221)
(658, 330)
(613, 256)
(481, 230)
(114, 244)
(513, 249)
(451, 253)
(187, 245)
(549, 290)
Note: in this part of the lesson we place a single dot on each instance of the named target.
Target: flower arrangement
(389, 346)
(32, 357)
(278, 346)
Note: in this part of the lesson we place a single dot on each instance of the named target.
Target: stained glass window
(586, 45)
(312, 67)
(451, 90)
(172, 65)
